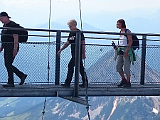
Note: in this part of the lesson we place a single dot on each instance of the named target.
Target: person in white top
(123, 60)
(122, 40)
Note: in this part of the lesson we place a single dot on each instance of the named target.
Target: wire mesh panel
(100, 65)
(135, 70)
(33, 59)
(38, 61)
(64, 60)
(152, 72)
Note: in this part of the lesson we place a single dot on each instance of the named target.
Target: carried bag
(22, 34)
(135, 44)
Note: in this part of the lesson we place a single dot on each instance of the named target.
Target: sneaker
(121, 83)
(23, 79)
(127, 85)
(8, 85)
(65, 85)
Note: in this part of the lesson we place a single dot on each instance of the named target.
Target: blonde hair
(72, 22)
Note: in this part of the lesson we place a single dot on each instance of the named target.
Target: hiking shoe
(23, 79)
(127, 85)
(65, 85)
(121, 83)
(8, 85)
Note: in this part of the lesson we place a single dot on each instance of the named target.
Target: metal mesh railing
(152, 64)
(100, 65)
(38, 61)
(32, 59)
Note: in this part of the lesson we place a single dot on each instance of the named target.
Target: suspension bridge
(46, 71)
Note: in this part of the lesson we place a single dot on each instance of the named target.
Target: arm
(15, 51)
(83, 49)
(63, 47)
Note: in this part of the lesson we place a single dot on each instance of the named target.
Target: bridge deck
(50, 90)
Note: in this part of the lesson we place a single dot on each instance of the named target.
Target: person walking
(123, 58)
(72, 24)
(10, 45)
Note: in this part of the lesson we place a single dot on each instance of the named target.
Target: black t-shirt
(7, 35)
(72, 40)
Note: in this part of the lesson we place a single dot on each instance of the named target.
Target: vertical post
(143, 59)
(57, 66)
(77, 64)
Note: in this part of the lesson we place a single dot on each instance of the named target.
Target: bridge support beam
(77, 64)
(57, 66)
(143, 59)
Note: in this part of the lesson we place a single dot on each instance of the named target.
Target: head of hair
(72, 22)
(123, 25)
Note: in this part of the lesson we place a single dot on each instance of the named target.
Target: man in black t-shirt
(72, 40)
(10, 45)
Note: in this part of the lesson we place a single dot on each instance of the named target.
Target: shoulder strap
(126, 30)
(13, 24)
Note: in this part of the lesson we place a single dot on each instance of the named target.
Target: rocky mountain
(102, 108)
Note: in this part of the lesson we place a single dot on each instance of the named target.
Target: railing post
(77, 64)
(57, 66)
(143, 59)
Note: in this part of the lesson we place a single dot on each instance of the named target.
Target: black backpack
(135, 44)
(22, 34)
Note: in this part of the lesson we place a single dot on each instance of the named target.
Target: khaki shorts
(123, 62)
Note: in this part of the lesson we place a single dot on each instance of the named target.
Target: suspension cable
(86, 85)
(49, 40)
(80, 13)
(44, 107)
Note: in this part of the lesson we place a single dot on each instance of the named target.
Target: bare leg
(123, 81)
(128, 77)
(122, 75)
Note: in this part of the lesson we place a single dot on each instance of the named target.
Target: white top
(123, 40)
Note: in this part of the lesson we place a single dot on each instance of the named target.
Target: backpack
(135, 44)
(22, 34)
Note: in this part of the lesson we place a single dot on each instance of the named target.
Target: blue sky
(31, 13)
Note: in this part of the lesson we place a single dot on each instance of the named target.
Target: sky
(31, 13)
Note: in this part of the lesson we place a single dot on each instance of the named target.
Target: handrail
(92, 32)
